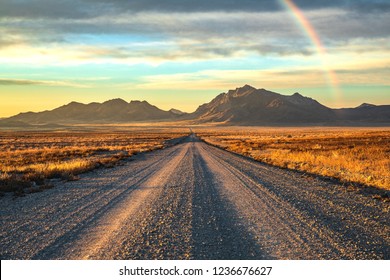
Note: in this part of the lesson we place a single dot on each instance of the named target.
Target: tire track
(163, 231)
(84, 200)
(62, 213)
(93, 238)
(218, 232)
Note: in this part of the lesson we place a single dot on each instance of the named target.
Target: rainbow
(308, 28)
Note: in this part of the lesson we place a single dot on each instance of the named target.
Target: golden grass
(50, 169)
(355, 155)
(30, 158)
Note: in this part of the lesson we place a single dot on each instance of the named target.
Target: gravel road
(195, 201)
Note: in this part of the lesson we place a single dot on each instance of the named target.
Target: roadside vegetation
(352, 155)
(32, 161)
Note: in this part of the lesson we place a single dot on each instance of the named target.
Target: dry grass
(359, 155)
(29, 159)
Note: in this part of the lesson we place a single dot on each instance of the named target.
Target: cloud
(292, 77)
(43, 9)
(197, 49)
(332, 25)
(153, 32)
(342, 25)
(81, 9)
(20, 82)
(365, 6)
(6, 82)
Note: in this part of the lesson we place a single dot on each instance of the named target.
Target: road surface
(195, 201)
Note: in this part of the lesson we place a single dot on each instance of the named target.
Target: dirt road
(195, 201)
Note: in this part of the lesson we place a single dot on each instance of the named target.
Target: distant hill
(365, 113)
(243, 106)
(112, 111)
(177, 112)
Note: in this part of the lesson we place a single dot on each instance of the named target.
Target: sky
(182, 53)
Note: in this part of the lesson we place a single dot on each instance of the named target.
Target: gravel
(195, 201)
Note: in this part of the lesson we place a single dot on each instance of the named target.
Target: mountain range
(112, 111)
(243, 106)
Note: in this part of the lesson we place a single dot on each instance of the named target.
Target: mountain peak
(176, 112)
(74, 103)
(297, 94)
(71, 106)
(241, 91)
(366, 105)
(115, 101)
(247, 87)
(139, 102)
